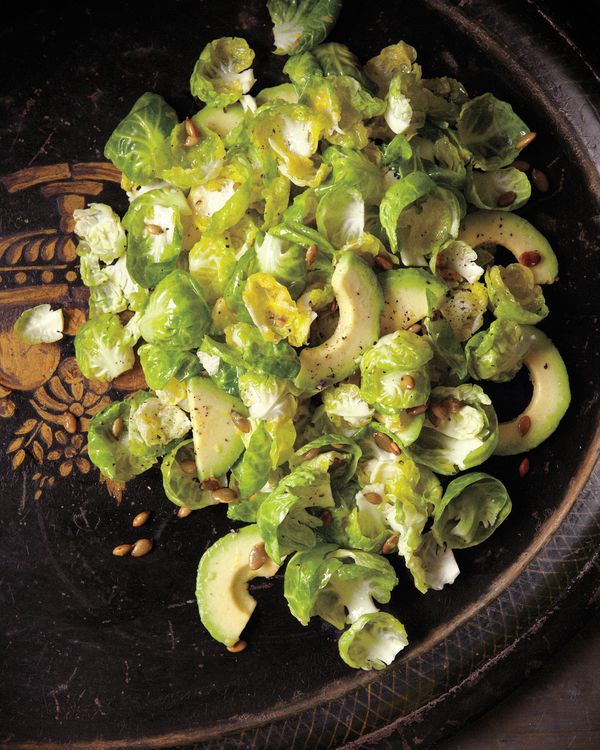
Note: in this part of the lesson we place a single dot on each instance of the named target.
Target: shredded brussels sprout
(307, 275)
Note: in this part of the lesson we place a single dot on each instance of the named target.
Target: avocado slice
(405, 297)
(360, 302)
(217, 441)
(550, 400)
(514, 233)
(222, 584)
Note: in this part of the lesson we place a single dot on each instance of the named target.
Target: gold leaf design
(26, 427)
(54, 455)
(46, 434)
(83, 465)
(7, 408)
(37, 494)
(65, 468)
(15, 445)
(90, 398)
(53, 418)
(18, 459)
(59, 390)
(69, 370)
(38, 451)
(61, 437)
(48, 402)
(77, 391)
(98, 407)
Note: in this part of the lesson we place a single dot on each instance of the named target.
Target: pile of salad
(307, 275)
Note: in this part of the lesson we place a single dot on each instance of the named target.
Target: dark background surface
(79, 57)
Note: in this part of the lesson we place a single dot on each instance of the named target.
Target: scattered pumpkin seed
(237, 647)
(525, 140)
(311, 255)
(390, 544)
(524, 425)
(188, 466)
(225, 495)
(241, 422)
(117, 428)
(540, 181)
(122, 549)
(141, 518)
(141, 547)
(257, 557)
(530, 258)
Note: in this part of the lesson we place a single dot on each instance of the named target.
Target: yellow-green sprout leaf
(498, 353)
(100, 227)
(274, 311)
(112, 454)
(222, 203)
(39, 325)
(346, 104)
(401, 194)
(397, 58)
(458, 258)
(291, 132)
(346, 408)
(181, 488)
(339, 585)
(283, 518)
(276, 194)
(341, 216)
(112, 290)
(211, 263)
(465, 438)
(488, 189)
(155, 233)
(514, 295)
(472, 508)
(464, 310)
(193, 160)
(490, 129)
(177, 315)
(223, 73)
(139, 144)
(157, 424)
(299, 25)
(267, 398)
(428, 223)
(394, 373)
(336, 59)
(283, 435)
(103, 349)
(373, 641)
(283, 260)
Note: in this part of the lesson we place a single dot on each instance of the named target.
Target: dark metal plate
(101, 652)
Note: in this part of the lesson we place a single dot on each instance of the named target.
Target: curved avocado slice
(360, 302)
(514, 233)
(217, 441)
(405, 297)
(222, 584)
(550, 400)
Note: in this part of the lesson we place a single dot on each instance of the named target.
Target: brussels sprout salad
(307, 275)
